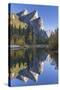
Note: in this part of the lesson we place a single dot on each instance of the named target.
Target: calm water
(33, 67)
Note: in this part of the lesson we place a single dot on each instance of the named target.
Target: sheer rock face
(31, 17)
(27, 18)
(22, 13)
(24, 19)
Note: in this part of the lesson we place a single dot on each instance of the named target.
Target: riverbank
(16, 47)
(29, 46)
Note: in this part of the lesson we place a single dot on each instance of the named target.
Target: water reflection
(29, 64)
(54, 59)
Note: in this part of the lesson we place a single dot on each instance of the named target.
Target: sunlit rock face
(22, 13)
(30, 18)
(36, 25)
(35, 16)
(38, 28)
(25, 12)
(35, 75)
(30, 21)
(27, 17)
(24, 78)
(42, 24)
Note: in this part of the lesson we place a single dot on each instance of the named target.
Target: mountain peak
(22, 13)
(25, 12)
(35, 16)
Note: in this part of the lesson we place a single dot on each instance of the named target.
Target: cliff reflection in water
(28, 64)
(54, 59)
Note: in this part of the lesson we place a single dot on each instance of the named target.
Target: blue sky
(49, 14)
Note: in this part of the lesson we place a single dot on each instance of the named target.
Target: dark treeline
(27, 36)
(53, 40)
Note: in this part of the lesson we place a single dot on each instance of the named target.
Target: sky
(49, 14)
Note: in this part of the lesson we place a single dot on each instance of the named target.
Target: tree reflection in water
(28, 63)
